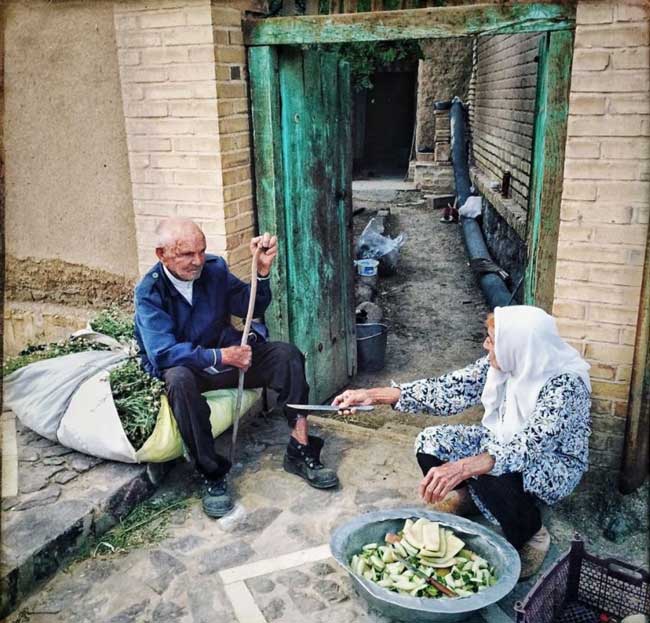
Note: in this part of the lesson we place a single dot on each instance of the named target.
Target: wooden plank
(295, 121)
(345, 216)
(634, 470)
(311, 7)
(265, 101)
(545, 197)
(319, 263)
(428, 23)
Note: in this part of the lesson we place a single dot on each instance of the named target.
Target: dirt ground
(432, 305)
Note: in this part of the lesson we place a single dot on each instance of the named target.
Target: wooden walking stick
(244, 341)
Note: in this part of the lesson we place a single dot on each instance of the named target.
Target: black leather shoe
(304, 461)
(217, 500)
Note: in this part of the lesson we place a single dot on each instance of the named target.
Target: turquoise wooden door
(302, 145)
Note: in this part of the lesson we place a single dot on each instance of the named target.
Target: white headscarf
(529, 351)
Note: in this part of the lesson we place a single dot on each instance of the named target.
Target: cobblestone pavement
(266, 561)
(58, 498)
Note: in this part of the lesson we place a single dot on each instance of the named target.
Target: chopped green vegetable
(434, 552)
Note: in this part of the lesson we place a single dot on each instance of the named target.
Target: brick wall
(183, 75)
(604, 215)
(232, 100)
(502, 108)
(169, 91)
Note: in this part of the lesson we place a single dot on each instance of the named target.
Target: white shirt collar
(184, 287)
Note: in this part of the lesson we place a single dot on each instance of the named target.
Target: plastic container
(367, 268)
(580, 587)
(371, 346)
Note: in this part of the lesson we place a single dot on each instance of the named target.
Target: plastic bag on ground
(92, 425)
(471, 208)
(68, 399)
(165, 443)
(372, 244)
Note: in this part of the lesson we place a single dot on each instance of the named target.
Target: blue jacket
(171, 332)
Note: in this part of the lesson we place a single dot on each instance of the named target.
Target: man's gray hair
(171, 230)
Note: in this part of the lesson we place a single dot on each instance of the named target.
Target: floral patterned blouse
(552, 451)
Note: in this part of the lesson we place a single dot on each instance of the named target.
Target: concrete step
(64, 500)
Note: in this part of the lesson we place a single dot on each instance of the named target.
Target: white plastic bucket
(367, 268)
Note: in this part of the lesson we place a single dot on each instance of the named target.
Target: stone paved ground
(185, 577)
(268, 560)
(59, 499)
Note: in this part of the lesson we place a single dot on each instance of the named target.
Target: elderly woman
(532, 443)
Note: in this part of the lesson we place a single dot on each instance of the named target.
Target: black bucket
(371, 346)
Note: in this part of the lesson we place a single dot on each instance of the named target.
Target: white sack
(39, 393)
(91, 424)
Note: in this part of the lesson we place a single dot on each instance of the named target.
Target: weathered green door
(302, 146)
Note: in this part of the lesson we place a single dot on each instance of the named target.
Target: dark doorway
(385, 118)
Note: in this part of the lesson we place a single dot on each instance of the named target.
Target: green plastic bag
(166, 444)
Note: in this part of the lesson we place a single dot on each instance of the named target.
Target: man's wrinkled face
(185, 258)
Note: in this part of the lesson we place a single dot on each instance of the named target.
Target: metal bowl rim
(506, 582)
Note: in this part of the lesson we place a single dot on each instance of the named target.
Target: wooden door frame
(557, 21)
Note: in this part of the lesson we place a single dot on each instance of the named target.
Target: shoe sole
(217, 515)
(289, 469)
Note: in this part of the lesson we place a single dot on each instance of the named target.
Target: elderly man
(182, 324)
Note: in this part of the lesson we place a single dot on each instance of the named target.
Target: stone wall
(502, 108)
(506, 247)
(605, 205)
(443, 73)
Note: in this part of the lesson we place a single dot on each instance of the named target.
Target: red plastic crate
(579, 587)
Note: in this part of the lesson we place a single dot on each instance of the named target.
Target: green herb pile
(136, 395)
(115, 323)
(39, 352)
(146, 524)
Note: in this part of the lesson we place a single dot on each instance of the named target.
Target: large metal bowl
(349, 538)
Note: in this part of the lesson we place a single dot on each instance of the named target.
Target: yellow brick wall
(169, 89)
(605, 205)
(184, 88)
(234, 130)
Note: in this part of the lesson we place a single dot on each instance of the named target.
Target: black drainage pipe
(495, 290)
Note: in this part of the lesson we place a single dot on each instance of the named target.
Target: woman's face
(488, 344)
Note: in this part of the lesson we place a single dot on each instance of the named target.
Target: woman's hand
(440, 480)
(351, 398)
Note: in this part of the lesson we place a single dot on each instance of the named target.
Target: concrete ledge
(509, 209)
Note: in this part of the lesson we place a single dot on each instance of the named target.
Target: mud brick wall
(502, 108)
(604, 215)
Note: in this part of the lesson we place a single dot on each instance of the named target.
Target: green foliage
(115, 323)
(146, 524)
(368, 57)
(137, 396)
(40, 352)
